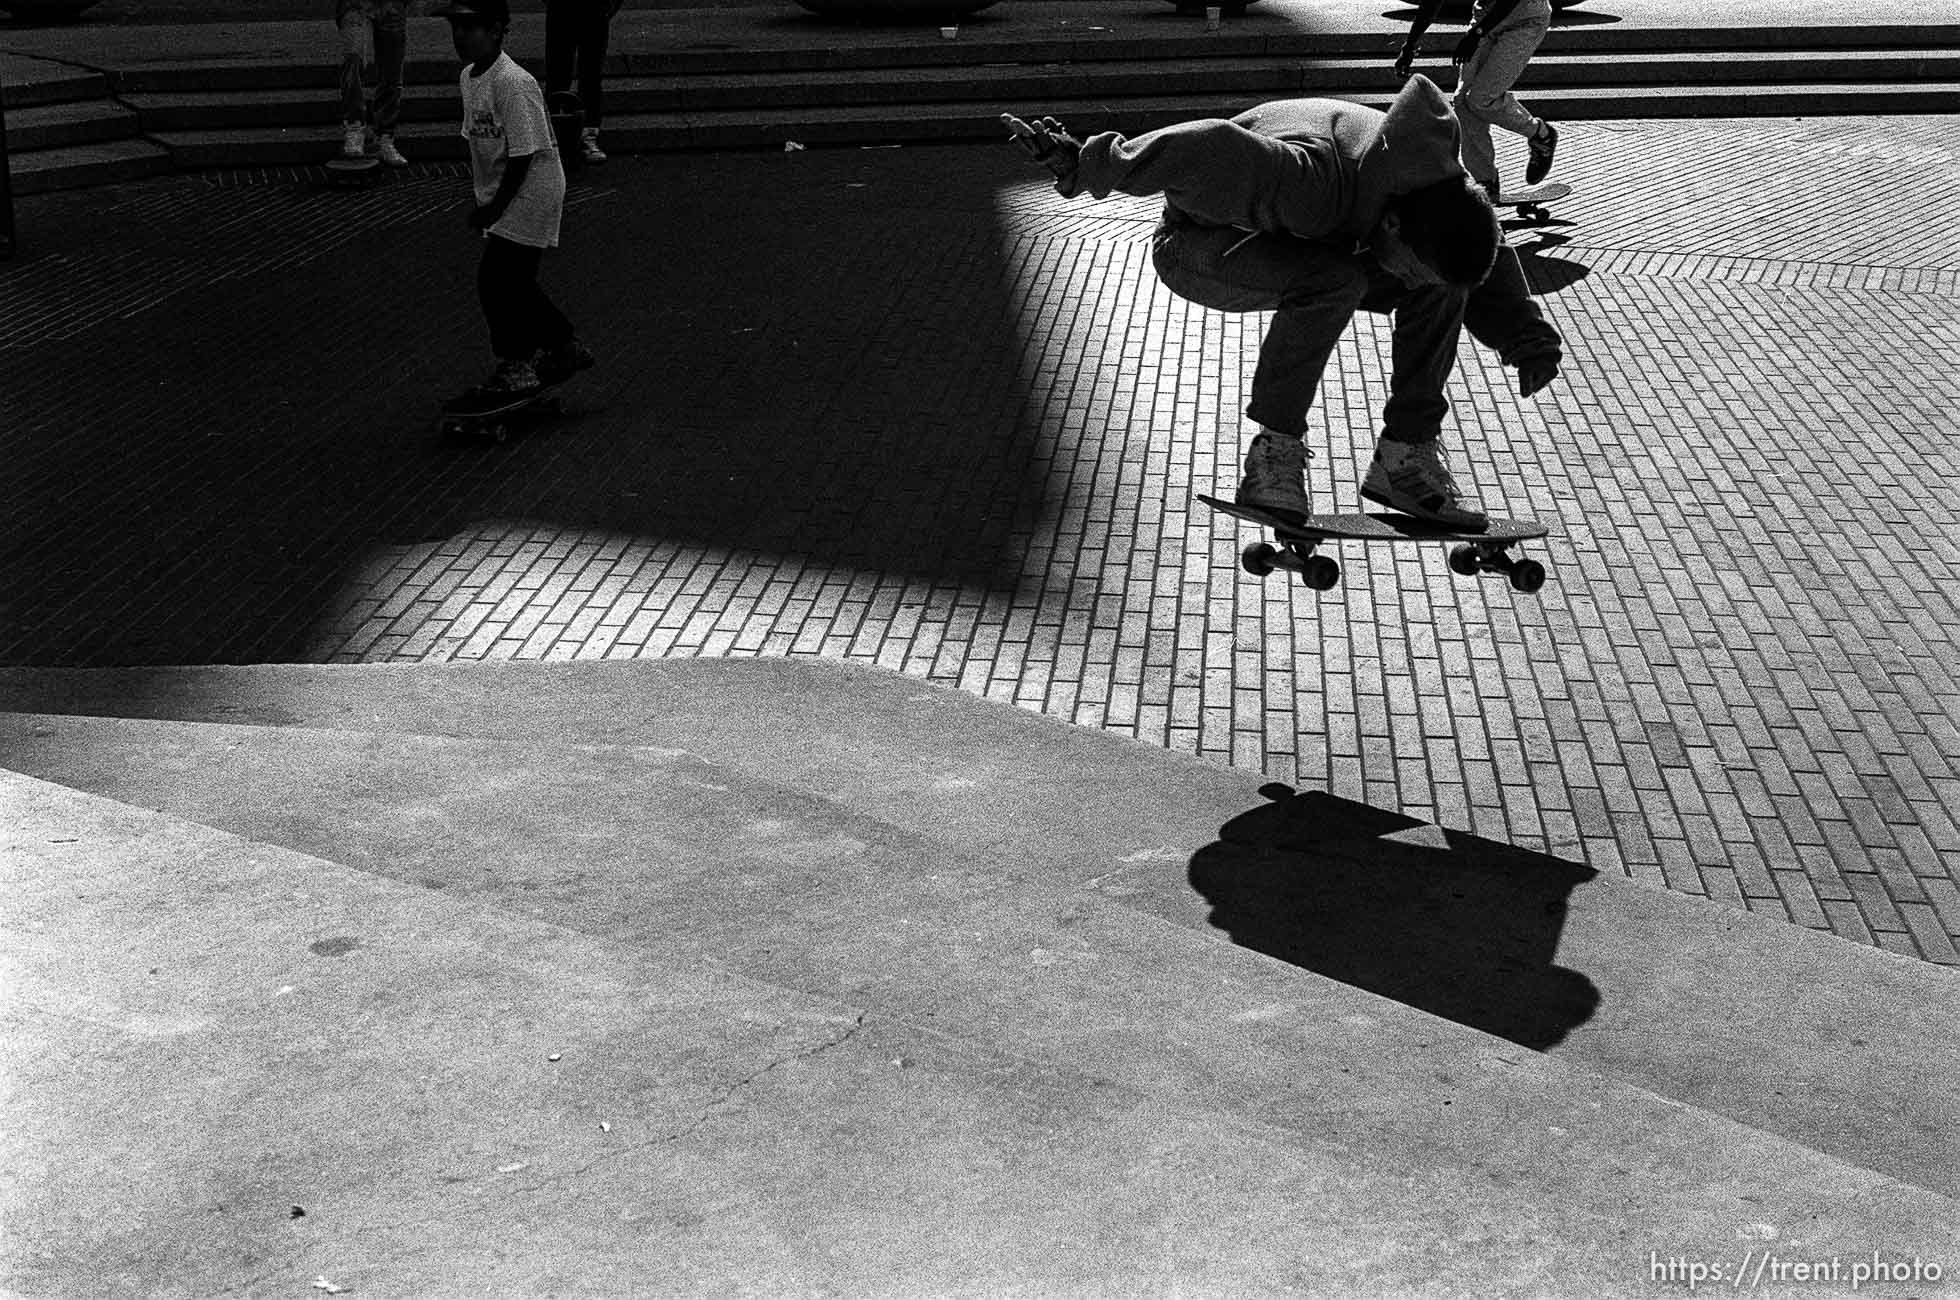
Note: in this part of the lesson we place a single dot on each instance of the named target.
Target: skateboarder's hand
(483, 216)
(1534, 376)
(1466, 49)
(1405, 64)
(1046, 141)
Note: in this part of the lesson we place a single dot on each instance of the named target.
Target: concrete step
(1680, 997)
(871, 49)
(1030, 84)
(239, 1067)
(55, 126)
(236, 1069)
(629, 132)
(74, 166)
(31, 83)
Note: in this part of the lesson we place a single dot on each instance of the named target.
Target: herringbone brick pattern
(908, 407)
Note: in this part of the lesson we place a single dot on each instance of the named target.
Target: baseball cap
(482, 11)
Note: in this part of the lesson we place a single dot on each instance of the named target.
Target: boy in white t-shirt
(520, 195)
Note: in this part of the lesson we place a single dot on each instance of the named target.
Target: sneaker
(1544, 143)
(1411, 477)
(353, 141)
(588, 146)
(1276, 475)
(511, 377)
(556, 365)
(391, 155)
(1047, 142)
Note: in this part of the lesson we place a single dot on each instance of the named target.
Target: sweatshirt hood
(1415, 145)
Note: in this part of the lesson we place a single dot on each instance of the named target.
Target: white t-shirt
(504, 117)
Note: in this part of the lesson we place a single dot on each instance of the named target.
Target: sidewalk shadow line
(1449, 923)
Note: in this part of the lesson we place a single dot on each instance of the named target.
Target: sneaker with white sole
(353, 141)
(1544, 147)
(588, 146)
(385, 145)
(1276, 475)
(511, 378)
(1410, 477)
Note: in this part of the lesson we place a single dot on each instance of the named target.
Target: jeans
(575, 30)
(522, 320)
(373, 33)
(1313, 291)
(1483, 90)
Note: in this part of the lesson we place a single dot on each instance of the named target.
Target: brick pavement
(907, 407)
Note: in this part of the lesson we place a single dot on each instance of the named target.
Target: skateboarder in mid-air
(1313, 209)
(520, 197)
(1490, 58)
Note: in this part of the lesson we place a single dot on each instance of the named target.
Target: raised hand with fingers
(1046, 141)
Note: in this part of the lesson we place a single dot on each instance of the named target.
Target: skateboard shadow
(1548, 275)
(1461, 927)
(1563, 15)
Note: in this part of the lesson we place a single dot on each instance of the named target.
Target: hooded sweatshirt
(1319, 169)
(1316, 169)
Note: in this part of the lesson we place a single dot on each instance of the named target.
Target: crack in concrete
(708, 1112)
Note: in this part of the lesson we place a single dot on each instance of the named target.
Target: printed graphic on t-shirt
(504, 117)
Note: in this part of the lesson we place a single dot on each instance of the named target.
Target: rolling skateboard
(1531, 200)
(350, 172)
(1488, 551)
(492, 416)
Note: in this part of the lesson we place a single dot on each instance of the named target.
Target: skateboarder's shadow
(1455, 925)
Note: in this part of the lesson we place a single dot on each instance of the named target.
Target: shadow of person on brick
(1458, 926)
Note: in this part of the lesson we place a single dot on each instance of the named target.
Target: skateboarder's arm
(1501, 314)
(1221, 174)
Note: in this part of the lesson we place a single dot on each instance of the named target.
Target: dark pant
(1313, 291)
(575, 32)
(522, 320)
(374, 34)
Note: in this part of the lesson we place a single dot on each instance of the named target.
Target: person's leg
(1312, 291)
(506, 285)
(390, 53)
(1484, 98)
(560, 43)
(356, 43)
(595, 24)
(1408, 472)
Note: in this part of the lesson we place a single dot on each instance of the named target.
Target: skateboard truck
(1323, 573)
(1299, 542)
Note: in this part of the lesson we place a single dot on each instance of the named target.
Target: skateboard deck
(1485, 551)
(477, 414)
(1531, 200)
(353, 171)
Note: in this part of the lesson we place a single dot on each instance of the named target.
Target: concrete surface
(1678, 996)
(262, 1032)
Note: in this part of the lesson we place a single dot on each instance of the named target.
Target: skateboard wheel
(1527, 576)
(1463, 560)
(1321, 573)
(1257, 559)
